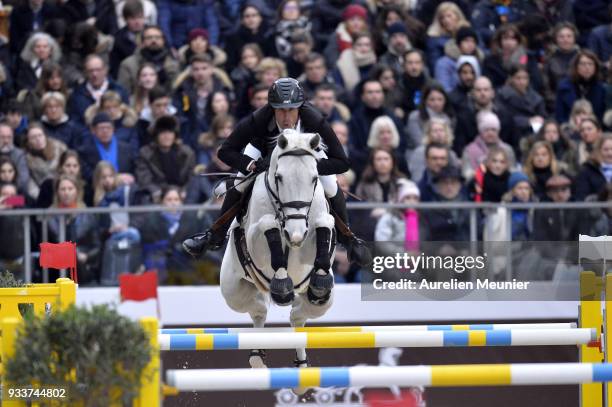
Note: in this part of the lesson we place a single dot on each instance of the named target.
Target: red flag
(139, 287)
(59, 256)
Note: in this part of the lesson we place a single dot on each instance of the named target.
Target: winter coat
(150, 173)
(373, 191)
(559, 224)
(89, 155)
(522, 107)
(434, 49)
(177, 18)
(242, 36)
(123, 47)
(493, 68)
(476, 152)
(590, 180)
(556, 68)
(66, 131)
(81, 99)
(445, 70)
(75, 11)
(167, 69)
(23, 22)
(43, 166)
(600, 42)
(568, 93)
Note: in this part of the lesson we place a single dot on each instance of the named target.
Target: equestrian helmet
(286, 93)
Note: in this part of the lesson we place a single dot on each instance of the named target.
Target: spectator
(522, 219)
(437, 131)
(128, 37)
(564, 148)
(481, 98)
(154, 51)
(220, 129)
(558, 61)
(583, 83)
(147, 80)
(463, 45)
(540, 165)
(84, 40)
(595, 172)
(90, 92)
(393, 94)
(490, 182)
(448, 225)
(317, 74)
(177, 18)
(488, 136)
(97, 13)
(325, 100)
(218, 103)
(70, 165)
(508, 51)
(56, 122)
(252, 30)
(355, 63)
(384, 134)
(39, 48)
(17, 120)
(525, 105)
(259, 97)
(436, 157)
(413, 80)
(243, 76)
(51, 80)
(326, 16)
(372, 106)
(8, 171)
(104, 145)
(42, 155)
(11, 250)
(26, 18)
(434, 104)
(302, 45)
(589, 15)
(192, 95)
(601, 217)
(448, 20)
(15, 154)
(380, 179)
(600, 40)
(198, 44)
(148, 7)
(488, 16)
(468, 71)
(590, 133)
(354, 22)
(581, 109)
(397, 45)
(165, 161)
(123, 117)
(81, 228)
(289, 20)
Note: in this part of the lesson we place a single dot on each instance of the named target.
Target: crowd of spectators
(114, 103)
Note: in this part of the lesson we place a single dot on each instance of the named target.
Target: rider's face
(286, 118)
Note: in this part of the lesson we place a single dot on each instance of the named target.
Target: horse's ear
(315, 140)
(282, 141)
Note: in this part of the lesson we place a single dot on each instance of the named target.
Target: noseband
(279, 205)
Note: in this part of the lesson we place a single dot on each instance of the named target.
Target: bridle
(279, 205)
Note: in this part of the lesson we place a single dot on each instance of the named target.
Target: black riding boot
(356, 249)
(214, 237)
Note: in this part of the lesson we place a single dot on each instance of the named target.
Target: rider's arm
(231, 149)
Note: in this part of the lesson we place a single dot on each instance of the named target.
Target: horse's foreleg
(321, 280)
(281, 285)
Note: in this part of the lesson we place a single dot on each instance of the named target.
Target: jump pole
(374, 328)
(318, 340)
(382, 376)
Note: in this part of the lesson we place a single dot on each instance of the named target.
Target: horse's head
(293, 179)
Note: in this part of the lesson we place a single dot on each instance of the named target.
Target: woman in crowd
(165, 161)
(289, 20)
(354, 22)
(384, 134)
(147, 80)
(39, 48)
(124, 118)
(563, 147)
(583, 82)
(520, 191)
(490, 181)
(596, 172)
(540, 165)
(43, 157)
(269, 70)
(56, 122)
(558, 61)
(51, 80)
(355, 63)
(198, 44)
(220, 129)
(393, 94)
(217, 104)
(437, 130)
(590, 133)
(582, 108)
(8, 171)
(447, 21)
(244, 77)
(253, 29)
(434, 104)
(82, 228)
(69, 164)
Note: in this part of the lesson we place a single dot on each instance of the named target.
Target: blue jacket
(177, 18)
(567, 95)
(446, 73)
(67, 131)
(81, 99)
(434, 49)
(600, 42)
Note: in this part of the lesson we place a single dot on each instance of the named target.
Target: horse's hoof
(257, 359)
(281, 291)
(300, 391)
(319, 288)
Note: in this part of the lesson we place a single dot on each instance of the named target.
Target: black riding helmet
(286, 93)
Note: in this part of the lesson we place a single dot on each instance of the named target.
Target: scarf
(69, 206)
(173, 220)
(349, 63)
(97, 93)
(606, 170)
(109, 153)
(411, 222)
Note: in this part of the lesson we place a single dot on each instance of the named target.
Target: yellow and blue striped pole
(383, 376)
(373, 328)
(318, 340)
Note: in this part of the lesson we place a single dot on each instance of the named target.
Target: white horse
(285, 244)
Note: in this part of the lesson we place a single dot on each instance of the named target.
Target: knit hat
(397, 28)
(101, 117)
(354, 10)
(407, 188)
(558, 181)
(450, 171)
(487, 120)
(470, 60)
(198, 32)
(515, 178)
(465, 32)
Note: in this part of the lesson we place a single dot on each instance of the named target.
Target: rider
(248, 150)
